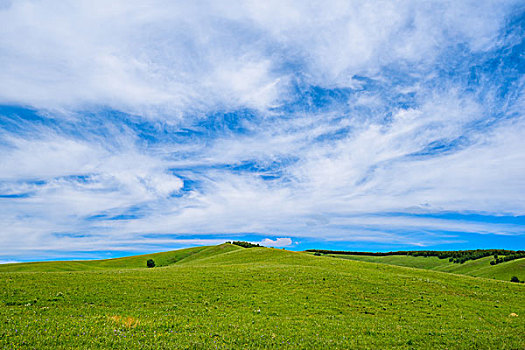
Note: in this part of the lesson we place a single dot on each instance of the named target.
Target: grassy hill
(479, 267)
(232, 297)
(131, 262)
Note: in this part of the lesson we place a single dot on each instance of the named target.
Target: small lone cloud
(8, 261)
(278, 242)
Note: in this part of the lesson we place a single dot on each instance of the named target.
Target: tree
(245, 244)
(514, 279)
(150, 263)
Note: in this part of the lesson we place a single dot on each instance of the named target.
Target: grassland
(232, 297)
(478, 268)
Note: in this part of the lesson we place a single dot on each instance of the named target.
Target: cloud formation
(278, 242)
(390, 122)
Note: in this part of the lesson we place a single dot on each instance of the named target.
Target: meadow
(231, 297)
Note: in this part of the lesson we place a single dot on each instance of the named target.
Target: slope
(136, 261)
(478, 268)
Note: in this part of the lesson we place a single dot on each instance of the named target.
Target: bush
(515, 279)
(317, 254)
(150, 263)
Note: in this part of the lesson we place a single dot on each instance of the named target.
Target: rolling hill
(131, 262)
(231, 297)
(478, 268)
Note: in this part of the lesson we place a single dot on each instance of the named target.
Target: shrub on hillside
(150, 263)
(515, 279)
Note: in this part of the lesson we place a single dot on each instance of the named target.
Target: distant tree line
(245, 244)
(455, 256)
(513, 256)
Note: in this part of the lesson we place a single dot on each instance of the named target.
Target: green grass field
(232, 297)
(478, 268)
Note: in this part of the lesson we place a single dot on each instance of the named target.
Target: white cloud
(160, 57)
(166, 59)
(278, 242)
(8, 261)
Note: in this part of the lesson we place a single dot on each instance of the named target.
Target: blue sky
(132, 126)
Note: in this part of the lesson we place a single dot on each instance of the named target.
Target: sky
(129, 127)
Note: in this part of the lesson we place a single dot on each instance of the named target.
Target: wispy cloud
(336, 121)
